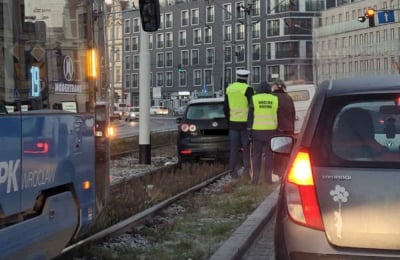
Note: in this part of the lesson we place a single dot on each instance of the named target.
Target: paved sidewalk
(242, 238)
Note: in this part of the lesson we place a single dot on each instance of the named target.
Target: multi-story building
(201, 44)
(344, 46)
(113, 15)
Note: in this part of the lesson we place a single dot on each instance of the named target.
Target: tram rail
(137, 219)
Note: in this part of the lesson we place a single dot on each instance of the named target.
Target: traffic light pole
(144, 99)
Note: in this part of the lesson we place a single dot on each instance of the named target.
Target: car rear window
(358, 131)
(205, 111)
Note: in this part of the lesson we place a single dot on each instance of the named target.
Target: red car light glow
(301, 197)
(40, 148)
(186, 152)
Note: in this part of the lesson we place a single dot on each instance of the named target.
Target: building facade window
(135, 80)
(256, 74)
(194, 16)
(227, 12)
(161, 22)
(185, 57)
(127, 28)
(240, 53)
(127, 83)
(208, 77)
(127, 62)
(228, 54)
(136, 62)
(182, 38)
(228, 33)
(127, 44)
(168, 20)
(273, 28)
(168, 59)
(207, 35)
(160, 79)
(135, 43)
(168, 40)
(287, 50)
(210, 56)
(255, 11)
(255, 31)
(197, 77)
(256, 52)
(136, 25)
(182, 79)
(184, 18)
(151, 41)
(168, 79)
(160, 60)
(228, 76)
(195, 57)
(239, 9)
(210, 14)
(239, 32)
(160, 40)
(197, 39)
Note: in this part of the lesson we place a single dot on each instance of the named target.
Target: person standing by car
(236, 106)
(286, 122)
(263, 121)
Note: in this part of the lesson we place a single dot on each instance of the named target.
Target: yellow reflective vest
(265, 112)
(238, 104)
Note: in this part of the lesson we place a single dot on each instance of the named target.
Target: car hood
(360, 207)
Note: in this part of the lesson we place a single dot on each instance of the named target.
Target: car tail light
(188, 128)
(300, 193)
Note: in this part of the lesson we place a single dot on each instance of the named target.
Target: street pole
(223, 51)
(112, 78)
(144, 99)
(247, 9)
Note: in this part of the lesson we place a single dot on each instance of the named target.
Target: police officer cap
(242, 73)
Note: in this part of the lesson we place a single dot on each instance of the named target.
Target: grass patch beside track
(206, 221)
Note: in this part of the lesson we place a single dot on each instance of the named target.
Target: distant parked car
(339, 197)
(179, 110)
(203, 132)
(159, 110)
(132, 114)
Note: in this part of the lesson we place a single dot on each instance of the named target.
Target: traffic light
(150, 14)
(180, 68)
(370, 15)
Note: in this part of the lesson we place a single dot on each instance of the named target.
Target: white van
(302, 94)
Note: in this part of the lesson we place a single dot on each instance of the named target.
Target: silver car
(340, 196)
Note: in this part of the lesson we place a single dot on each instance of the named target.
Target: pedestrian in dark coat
(286, 121)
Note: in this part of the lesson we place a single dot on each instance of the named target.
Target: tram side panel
(47, 178)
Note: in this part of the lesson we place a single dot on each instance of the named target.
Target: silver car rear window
(367, 131)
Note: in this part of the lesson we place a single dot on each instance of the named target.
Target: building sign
(68, 86)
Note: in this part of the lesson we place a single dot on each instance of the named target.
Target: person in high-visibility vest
(236, 106)
(263, 121)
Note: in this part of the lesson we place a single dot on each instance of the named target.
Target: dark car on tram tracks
(203, 132)
(339, 198)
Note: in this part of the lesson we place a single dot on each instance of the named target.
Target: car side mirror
(282, 144)
(178, 120)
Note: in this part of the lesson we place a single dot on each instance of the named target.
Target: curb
(245, 234)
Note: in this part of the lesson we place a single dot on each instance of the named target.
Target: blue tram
(54, 151)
